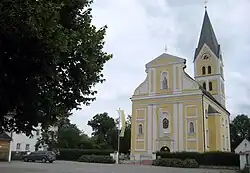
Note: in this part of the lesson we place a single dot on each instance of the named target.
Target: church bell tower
(208, 62)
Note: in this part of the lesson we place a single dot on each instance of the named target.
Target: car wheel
(25, 159)
(43, 160)
(50, 161)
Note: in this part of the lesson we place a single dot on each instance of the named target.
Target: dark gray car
(44, 156)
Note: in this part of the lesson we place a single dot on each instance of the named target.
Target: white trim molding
(198, 92)
(181, 136)
(154, 127)
(150, 128)
(175, 123)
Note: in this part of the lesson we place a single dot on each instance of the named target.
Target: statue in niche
(164, 80)
(165, 123)
(165, 83)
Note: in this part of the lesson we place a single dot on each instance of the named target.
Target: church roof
(207, 36)
(208, 94)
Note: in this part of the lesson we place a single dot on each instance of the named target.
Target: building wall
(182, 103)
(4, 150)
(21, 142)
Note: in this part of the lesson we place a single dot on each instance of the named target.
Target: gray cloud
(138, 31)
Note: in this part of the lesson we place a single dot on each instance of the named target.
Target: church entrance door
(165, 149)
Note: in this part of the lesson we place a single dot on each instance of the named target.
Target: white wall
(24, 140)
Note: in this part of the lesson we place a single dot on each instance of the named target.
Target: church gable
(163, 60)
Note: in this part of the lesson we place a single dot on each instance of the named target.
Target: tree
(51, 57)
(103, 128)
(67, 136)
(126, 140)
(239, 130)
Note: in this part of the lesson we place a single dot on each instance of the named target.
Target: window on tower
(209, 70)
(204, 86)
(210, 86)
(203, 70)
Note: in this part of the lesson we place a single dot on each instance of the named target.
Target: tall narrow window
(164, 81)
(209, 70)
(191, 128)
(27, 147)
(210, 86)
(204, 86)
(18, 146)
(140, 130)
(203, 70)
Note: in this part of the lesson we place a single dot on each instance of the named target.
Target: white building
(243, 149)
(21, 142)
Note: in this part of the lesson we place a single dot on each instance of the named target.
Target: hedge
(75, 154)
(187, 163)
(207, 158)
(96, 159)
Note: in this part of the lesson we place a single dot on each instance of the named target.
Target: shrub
(220, 159)
(96, 159)
(190, 163)
(207, 158)
(75, 154)
(169, 163)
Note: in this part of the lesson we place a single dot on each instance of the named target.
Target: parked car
(44, 156)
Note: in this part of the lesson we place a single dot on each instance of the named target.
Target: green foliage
(75, 154)
(96, 159)
(167, 162)
(51, 57)
(190, 163)
(69, 136)
(208, 158)
(105, 133)
(239, 130)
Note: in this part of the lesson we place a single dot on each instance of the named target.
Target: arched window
(191, 127)
(209, 70)
(165, 123)
(204, 86)
(140, 130)
(210, 86)
(164, 81)
(203, 70)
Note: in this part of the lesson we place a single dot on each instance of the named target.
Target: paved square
(75, 167)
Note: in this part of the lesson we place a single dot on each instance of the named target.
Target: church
(173, 112)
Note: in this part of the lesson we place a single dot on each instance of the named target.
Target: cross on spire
(166, 48)
(205, 2)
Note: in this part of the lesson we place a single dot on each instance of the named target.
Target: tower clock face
(206, 56)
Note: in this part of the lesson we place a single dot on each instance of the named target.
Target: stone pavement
(76, 167)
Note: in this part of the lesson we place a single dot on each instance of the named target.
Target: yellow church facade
(174, 112)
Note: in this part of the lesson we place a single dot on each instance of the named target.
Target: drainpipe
(204, 136)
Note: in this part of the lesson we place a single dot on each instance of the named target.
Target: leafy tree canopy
(50, 58)
(239, 130)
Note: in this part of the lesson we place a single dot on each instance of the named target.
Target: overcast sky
(137, 33)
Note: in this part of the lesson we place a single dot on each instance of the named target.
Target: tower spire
(207, 36)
